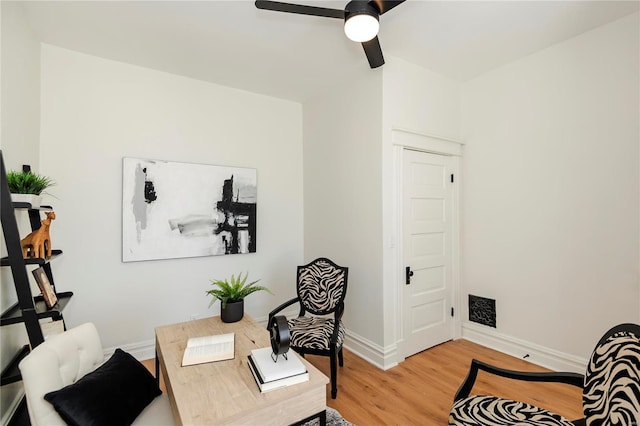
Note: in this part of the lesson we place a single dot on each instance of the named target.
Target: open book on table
(208, 349)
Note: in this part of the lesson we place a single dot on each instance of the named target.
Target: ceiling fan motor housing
(359, 7)
(361, 21)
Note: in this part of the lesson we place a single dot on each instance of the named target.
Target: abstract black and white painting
(172, 210)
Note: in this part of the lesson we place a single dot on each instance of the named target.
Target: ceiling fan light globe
(361, 27)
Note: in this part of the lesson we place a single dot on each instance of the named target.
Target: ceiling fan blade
(300, 9)
(385, 5)
(374, 52)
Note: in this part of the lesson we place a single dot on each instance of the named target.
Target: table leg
(157, 369)
(321, 416)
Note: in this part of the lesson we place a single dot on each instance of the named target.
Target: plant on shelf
(27, 186)
(231, 294)
(27, 183)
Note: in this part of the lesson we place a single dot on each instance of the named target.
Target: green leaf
(233, 290)
(27, 183)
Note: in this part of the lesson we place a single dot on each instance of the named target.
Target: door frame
(433, 144)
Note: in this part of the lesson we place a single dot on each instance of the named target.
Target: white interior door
(427, 250)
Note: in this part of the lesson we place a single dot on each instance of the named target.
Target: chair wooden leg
(340, 359)
(334, 384)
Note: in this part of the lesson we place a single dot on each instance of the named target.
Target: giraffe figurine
(34, 244)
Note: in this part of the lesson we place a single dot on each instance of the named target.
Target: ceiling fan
(361, 21)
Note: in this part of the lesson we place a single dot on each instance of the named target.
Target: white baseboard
(537, 354)
(387, 357)
(383, 358)
(147, 349)
(140, 350)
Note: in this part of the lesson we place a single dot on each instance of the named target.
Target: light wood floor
(420, 390)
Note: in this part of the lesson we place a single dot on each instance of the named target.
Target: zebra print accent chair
(610, 396)
(321, 288)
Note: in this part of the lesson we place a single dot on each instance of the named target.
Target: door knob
(408, 274)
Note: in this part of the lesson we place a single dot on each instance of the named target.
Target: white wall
(349, 187)
(20, 84)
(19, 141)
(342, 196)
(551, 196)
(94, 113)
(421, 102)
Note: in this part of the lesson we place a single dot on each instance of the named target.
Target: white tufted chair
(62, 360)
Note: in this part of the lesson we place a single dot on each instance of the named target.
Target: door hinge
(452, 311)
(451, 177)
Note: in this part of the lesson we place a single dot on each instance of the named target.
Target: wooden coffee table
(224, 392)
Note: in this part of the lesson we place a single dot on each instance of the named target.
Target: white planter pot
(32, 199)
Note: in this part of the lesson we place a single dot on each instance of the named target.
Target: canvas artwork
(173, 210)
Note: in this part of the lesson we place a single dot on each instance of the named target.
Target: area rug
(333, 419)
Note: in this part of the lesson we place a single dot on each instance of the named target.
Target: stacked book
(271, 375)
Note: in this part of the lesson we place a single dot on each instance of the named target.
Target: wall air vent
(482, 310)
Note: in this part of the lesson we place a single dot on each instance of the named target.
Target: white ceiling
(295, 56)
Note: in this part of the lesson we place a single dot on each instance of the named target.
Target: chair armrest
(573, 379)
(281, 307)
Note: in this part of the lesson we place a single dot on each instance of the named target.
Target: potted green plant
(26, 187)
(231, 294)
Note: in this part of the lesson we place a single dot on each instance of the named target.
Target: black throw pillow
(113, 394)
